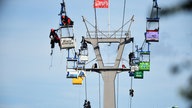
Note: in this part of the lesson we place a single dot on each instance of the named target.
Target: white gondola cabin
(67, 38)
(72, 73)
(83, 57)
(67, 42)
(74, 68)
(71, 68)
(134, 68)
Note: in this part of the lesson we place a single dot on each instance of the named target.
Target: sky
(27, 81)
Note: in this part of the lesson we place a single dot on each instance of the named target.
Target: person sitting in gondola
(94, 66)
(66, 21)
(83, 43)
(54, 39)
(131, 56)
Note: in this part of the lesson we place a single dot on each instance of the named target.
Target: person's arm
(50, 35)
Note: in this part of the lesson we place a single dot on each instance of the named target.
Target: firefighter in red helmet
(54, 39)
(66, 21)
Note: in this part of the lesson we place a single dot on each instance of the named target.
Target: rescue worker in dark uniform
(66, 21)
(54, 39)
(131, 92)
(87, 104)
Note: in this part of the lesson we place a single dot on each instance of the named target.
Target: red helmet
(52, 29)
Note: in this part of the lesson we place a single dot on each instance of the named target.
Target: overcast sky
(26, 81)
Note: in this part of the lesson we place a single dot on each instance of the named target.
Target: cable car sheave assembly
(76, 61)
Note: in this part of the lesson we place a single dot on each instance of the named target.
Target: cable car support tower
(108, 72)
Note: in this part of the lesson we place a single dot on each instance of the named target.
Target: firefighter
(66, 21)
(54, 39)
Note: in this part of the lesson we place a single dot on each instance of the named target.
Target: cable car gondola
(144, 58)
(77, 81)
(152, 24)
(83, 51)
(144, 64)
(152, 30)
(66, 29)
(71, 67)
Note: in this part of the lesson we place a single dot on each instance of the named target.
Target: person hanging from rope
(54, 39)
(131, 92)
(66, 21)
(88, 104)
(85, 104)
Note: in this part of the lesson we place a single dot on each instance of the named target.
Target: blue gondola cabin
(72, 73)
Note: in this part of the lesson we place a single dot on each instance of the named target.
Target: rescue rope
(85, 88)
(117, 90)
(124, 6)
(51, 63)
(130, 105)
(131, 78)
(90, 61)
(99, 91)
